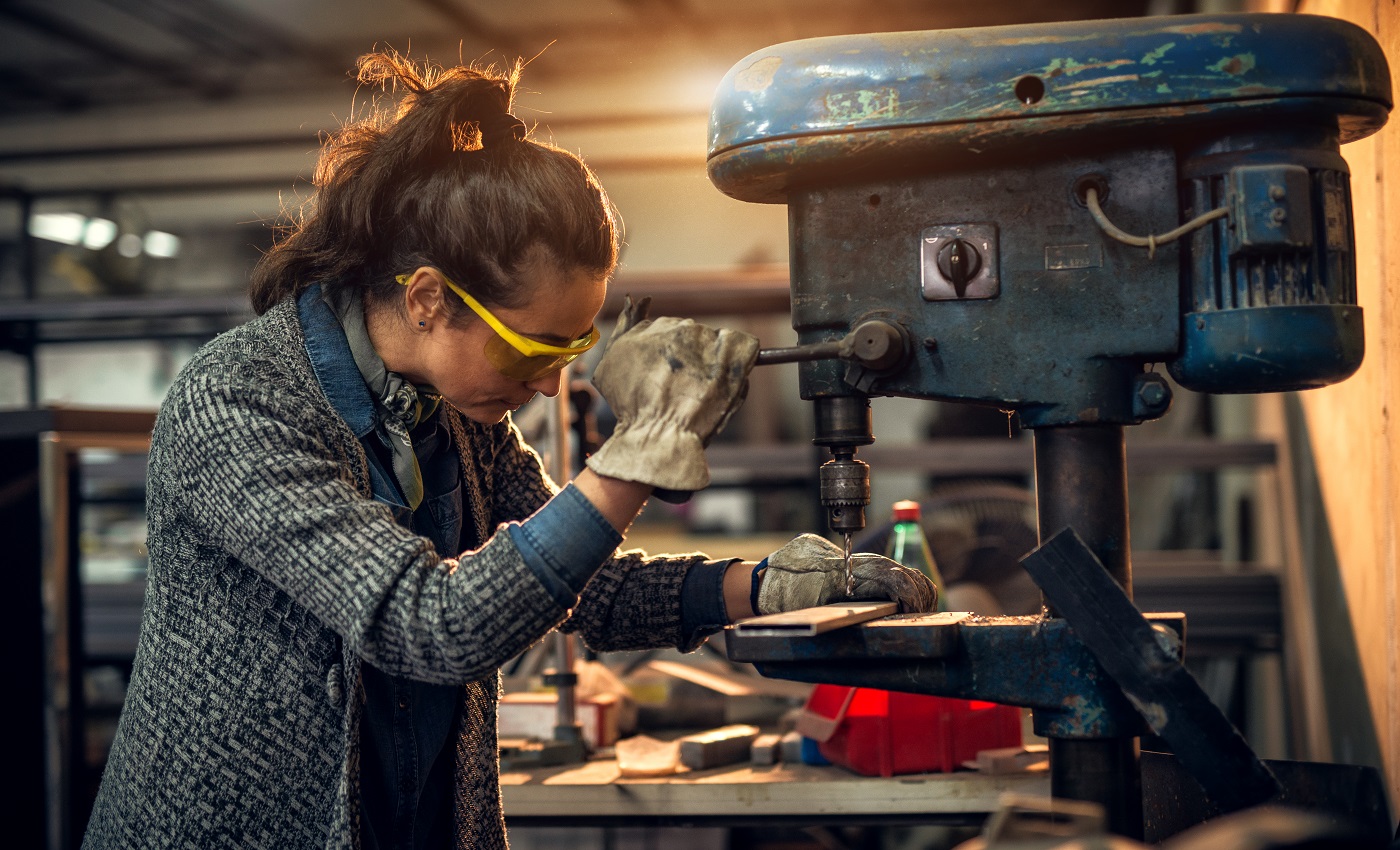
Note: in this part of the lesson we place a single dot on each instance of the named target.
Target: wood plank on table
(815, 621)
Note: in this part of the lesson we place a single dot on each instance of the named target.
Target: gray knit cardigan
(273, 575)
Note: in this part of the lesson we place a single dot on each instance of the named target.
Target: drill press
(1032, 217)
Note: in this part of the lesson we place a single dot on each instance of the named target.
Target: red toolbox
(883, 733)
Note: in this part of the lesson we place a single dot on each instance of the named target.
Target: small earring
(422, 324)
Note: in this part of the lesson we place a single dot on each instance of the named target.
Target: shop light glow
(98, 233)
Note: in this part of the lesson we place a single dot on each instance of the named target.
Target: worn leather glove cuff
(655, 453)
(755, 582)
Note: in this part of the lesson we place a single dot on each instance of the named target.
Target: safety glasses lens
(519, 367)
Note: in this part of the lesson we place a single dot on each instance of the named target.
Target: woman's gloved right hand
(672, 383)
(810, 571)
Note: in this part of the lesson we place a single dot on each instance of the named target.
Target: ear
(423, 298)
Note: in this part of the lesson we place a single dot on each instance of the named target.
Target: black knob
(879, 345)
(959, 262)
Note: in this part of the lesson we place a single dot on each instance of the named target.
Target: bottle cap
(905, 510)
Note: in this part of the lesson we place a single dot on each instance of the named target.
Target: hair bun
(500, 128)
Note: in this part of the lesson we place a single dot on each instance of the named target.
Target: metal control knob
(959, 262)
(879, 345)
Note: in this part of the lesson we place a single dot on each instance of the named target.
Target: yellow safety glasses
(514, 356)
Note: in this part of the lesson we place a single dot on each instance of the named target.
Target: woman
(347, 534)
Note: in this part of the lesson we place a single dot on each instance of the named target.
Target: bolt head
(1152, 393)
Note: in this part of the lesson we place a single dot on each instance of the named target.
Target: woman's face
(449, 357)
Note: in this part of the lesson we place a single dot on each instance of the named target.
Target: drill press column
(1081, 483)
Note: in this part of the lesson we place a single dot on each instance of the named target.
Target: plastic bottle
(909, 547)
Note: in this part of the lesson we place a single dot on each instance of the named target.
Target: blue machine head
(957, 191)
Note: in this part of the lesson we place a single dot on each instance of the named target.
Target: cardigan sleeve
(633, 600)
(264, 472)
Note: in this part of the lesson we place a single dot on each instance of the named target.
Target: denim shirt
(405, 757)
(406, 764)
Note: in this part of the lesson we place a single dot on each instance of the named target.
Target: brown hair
(451, 180)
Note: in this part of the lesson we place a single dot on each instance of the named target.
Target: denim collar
(333, 363)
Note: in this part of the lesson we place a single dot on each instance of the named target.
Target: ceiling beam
(18, 86)
(57, 27)
(210, 25)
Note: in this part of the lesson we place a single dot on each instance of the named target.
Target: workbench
(593, 794)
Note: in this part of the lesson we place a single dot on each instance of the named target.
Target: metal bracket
(1165, 693)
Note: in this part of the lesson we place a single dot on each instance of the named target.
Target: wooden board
(815, 621)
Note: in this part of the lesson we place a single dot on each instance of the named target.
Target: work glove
(673, 384)
(810, 571)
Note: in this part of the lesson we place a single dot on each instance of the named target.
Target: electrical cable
(1150, 242)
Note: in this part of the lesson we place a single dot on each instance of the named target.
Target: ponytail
(449, 178)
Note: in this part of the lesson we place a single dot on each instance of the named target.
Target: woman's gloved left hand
(672, 383)
(810, 571)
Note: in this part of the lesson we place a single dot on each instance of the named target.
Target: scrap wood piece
(645, 756)
(790, 747)
(1004, 760)
(814, 621)
(725, 745)
(766, 749)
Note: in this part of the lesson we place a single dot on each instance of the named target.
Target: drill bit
(850, 576)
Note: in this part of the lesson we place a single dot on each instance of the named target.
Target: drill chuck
(845, 491)
(843, 424)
